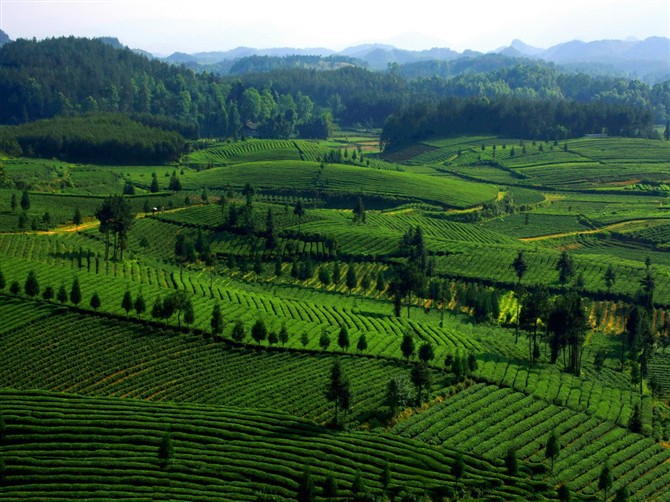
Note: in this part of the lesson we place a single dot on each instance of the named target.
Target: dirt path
(613, 226)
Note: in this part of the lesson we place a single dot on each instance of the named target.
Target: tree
(15, 288)
(128, 188)
(666, 133)
(166, 451)
(127, 302)
(635, 421)
(564, 490)
(48, 293)
(216, 322)
(357, 487)
(605, 480)
(407, 346)
(25, 201)
(362, 344)
(283, 335)
(343, 339)
(76, 218)
(157, 308)
(426, 352)
(459, 467)
(31, 286)
(238, 332)
(174, 185)
(189, 313)
(351, 277)
(299, 212)
(249, 191)
(273, 338)
(386, 476)
(511, 462)
(2, 280)
(520, 266)
(259, 332)
(22, 221)
(116, 217)
(75, 292)
(154, 183)
(330, 488)
(337, 272)
(270, 236)
(622, 494)
(95, 301)
(140, 306)
(553, 448)
(324, 340)
(421, 378)
(359, 211)
(565, 267)
(338, 390)
(304, 339)
(399, 394)
(13, 203)
(61, 296)
(610, 278)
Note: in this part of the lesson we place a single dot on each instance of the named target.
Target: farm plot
(489, 420)
(96, 449)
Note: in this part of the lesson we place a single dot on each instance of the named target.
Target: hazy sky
(201, 25)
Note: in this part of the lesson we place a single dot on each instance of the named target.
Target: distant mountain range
(647, 59)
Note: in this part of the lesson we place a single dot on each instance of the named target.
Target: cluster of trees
(101, 138)
(547, 119)
(116, 217)
(65, 76)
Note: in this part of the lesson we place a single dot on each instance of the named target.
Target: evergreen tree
(15, 288)
(564, 490)
(140, 306)
(553, 448)
(359, 211)
(520, 266)
(511, 462)
(283, 335)
(330, 488)
(421, 378)
(278, 266)
(174, 185)
(605, 480)
(216, 322)
(565, 267)
(157, 308)
(338, 390)
(306, 491)
(299, 212)
(386, 476)
(362, 344)
(610, 278)
(166, 451)
(304, 339)
(343, 339)
(259, 332)
(357, 487)
(399, 394)
(13, 203)
(95, 301)
(635, 421)
(273, 338)
(31, 286)
(75, 292)
(407, 346)
(61, 296)
(25, 201)
(48, 293)
(622, 494)
(238, 332)
(77, 218)
(127, 302)
(189, 313)
(426, 352)
(154, 183)
(324, 340)
(352, 278)
(459, 467)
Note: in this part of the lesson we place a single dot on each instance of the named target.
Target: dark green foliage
(357, 487)
(116, 217)
(278, 266)
(399, 394)
(13, 203)
(157, 308)
(362, 344)
(520, 266)
(343, 338)
(273, 338)
(25, 200)
(610, 278)
(128, 188)
(421, 378)
(238, 332)
(174, 184)
(304, 339)
(351, 278)
(324, 275)
(153, 188)
(330, 488)
(283, 334)
(324, 340)
(48, 293)
(622, 494)
(75, 292)
(407, 346)
(338, 390)
(15, 288)
(635, 421)
(216, 322)
(565, 267)
(140, 305)
(336, 272)
(2, 280)
(31, 286)
(459, 467)
(567, 326)
(511, 462)
(359, 211)
(259, 332)
(553, 448)
(426, 352)
(127, 302)
(61, 296)
(95, 301)
(564, 491)
(166, 451)
(77, 218)
(189, 313)
(386, 478)
(306, 491)
(605, 480)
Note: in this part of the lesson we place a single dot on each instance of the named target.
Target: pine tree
(283, 335)
(238, 332)
(95, 301)
(386, 476)
(352, 278)
(154, 183)
(166, 451)
(127, 302)
(48, 293)
(605, 480)
(343, 339)
(407, 346)
(553, 448)
(13, 203)
(75, 292)
(362, 344)
(76, 218)
(330, 488)
(459, 467)
(216, 322)
(259, 332)
(25, 201)
(338, 390)
(306, 491)
(31, 286)
(426, 352)
(511, 462)
(139, 305)
(61, 296)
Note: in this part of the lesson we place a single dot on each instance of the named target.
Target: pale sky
(167, 26)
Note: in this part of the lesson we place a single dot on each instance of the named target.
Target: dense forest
(72, 76)
(547, 119)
